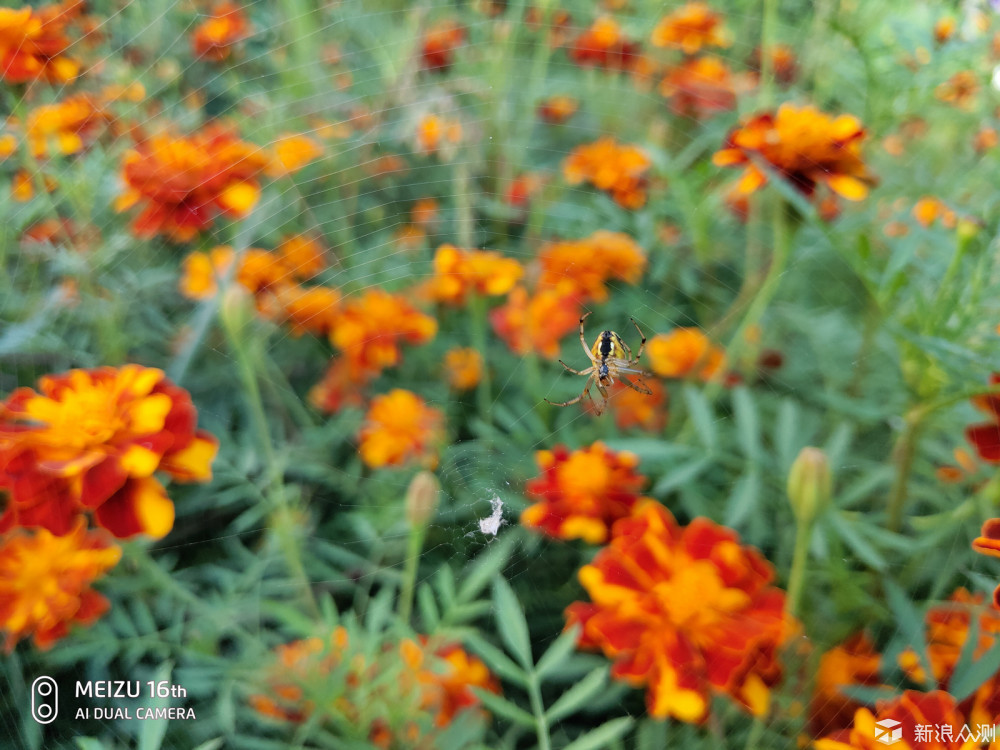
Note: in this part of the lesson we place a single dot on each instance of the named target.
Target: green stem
(797, 574)
(770, 22)
(538, 709)
(413, 548)
(283, 520)
(903, 453)
(478, 323)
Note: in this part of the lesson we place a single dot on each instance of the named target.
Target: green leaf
(743, 500)
(969, 674)
(785, 433)
(151, 733)
(747, 422)
(682, 475)
(502, 707)
(557, 653)
(511, 623)
(599, 738)
(910, 622)
(701, 415)
(211, 744)
(579, 695)
(487, 565)
(860, 546)
(496, 659)
(428, 608)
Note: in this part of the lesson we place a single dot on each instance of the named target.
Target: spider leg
(586, 392)
(642, 344)
(583, 340)
(575, 372)
(628, 350)
(640, 387)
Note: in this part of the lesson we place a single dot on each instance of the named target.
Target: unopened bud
(810, 484)
(422, 499)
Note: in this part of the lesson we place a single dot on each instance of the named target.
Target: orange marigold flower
(929, 209)
(684, 352)
(580, 494)
(304, 255)
(439, 45)
(687, 612)
(203, 271)
(604, 45)
(944, 29)
(464, 368)
(853, 662)
(214, 37)
(342, 385)
(400, 429)
(183, 182)
(536, 323)
(784, 66)
(589, 263)
(912, 710)
(434, 133)
(262, 270)
(311, 309)
(424, 212)
(70, 125)
(33, 43)
(558, 109)
(291, 153)
(949, 626)
(959, 90)
(690, 28)
(371, 327)
(619, 169)
(460, 273)
(45, 582)
(446, 683)
(91, 441)
(700, 87)
(805, 146)
(633, 409)
(988, 542)
(985, 139)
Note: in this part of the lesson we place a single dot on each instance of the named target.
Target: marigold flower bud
(810, 484)
(422, 498)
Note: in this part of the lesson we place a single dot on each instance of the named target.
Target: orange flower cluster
(687, 612)
(90, 442)
(580, 494)
(213, 38)
(619, 169)
(291, 152)
(460, 273)
(960, 90)
(604, 45)
(370, 328)
(947, 727)
(33, 43)
(400, 430)
(558, 109)
(700, 87)
(853, 662)
(683, 353)
(534, 323)
(464, 368)
(72, 124)
(633, 409)
(436, 133)
(432, 686)
(929, 209)
(45, 582)
(805, 146)
(587, 264)
(949, 626)
(439, 45)
(183, 182)
(690, 28)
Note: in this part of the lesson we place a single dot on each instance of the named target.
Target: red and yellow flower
(535, 323)
(182, 183)
(687, 612)
(45, 582)
(440, 42)
(400, 429)
(690, 28)
(619, 169)
(460, 273)
(853, 662)
(804, 146)
(590, 262)
(90, 441)
(604, 45)
(700, 87)
(69, 125)
(947, 726)
(949, 626)
(985, 436)
(214, 38)
(581, 493)
(33, 43)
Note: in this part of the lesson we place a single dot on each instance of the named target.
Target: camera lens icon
(44, 700)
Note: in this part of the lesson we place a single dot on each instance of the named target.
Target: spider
(611, 357)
